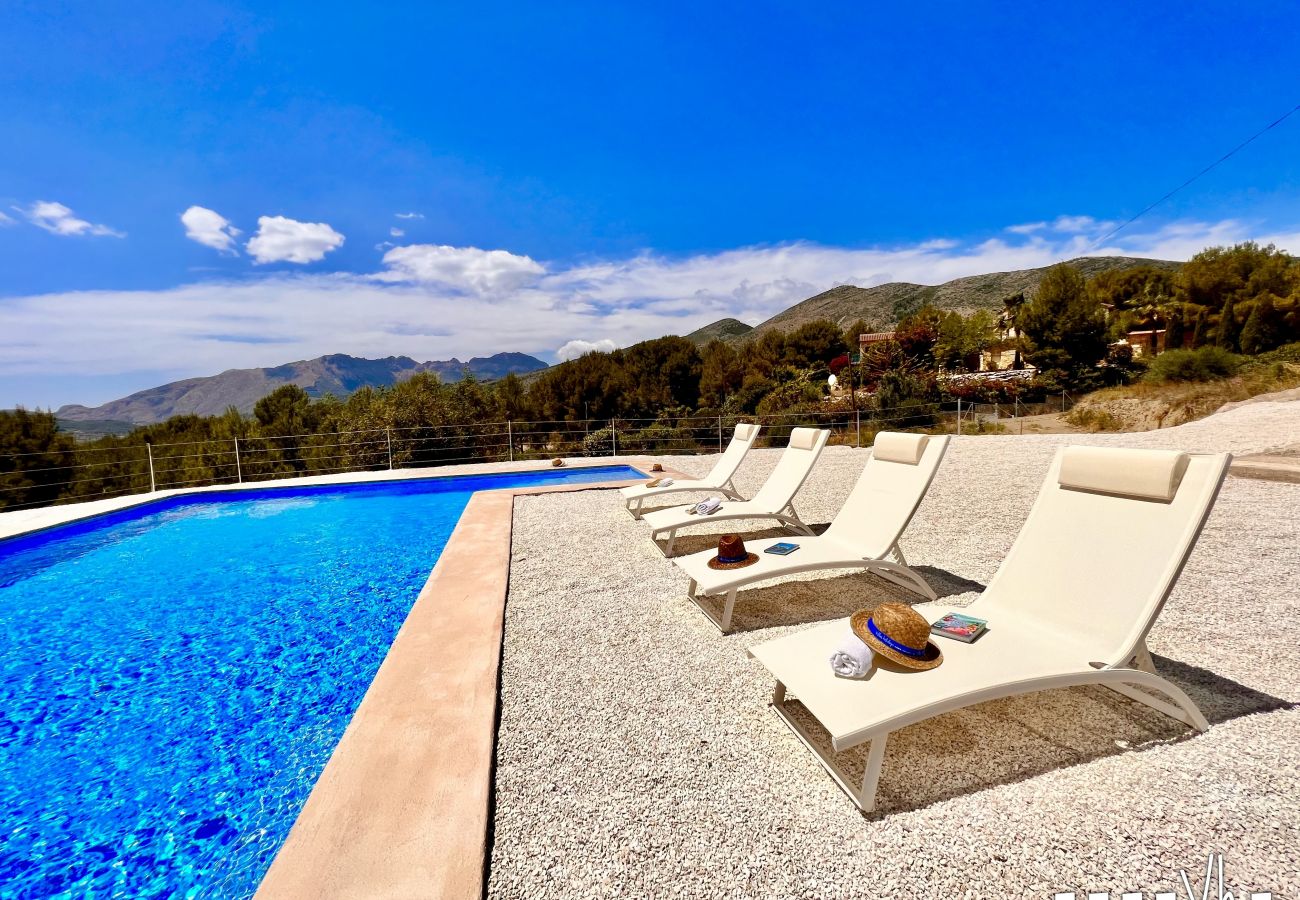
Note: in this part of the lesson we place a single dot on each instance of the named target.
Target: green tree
(511, 398)
(1201, 331)
(814, 344)
(1175, 328)
(1264, 328)
(962, 339)
(36, 459)
(1064, 327)
(766, 353)
(658, 374)
(722, 372)
(856, 330)
(1228, 334)
(917, 335)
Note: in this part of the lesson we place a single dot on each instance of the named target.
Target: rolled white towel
(709, 506)
(852, 658)
(665, 482)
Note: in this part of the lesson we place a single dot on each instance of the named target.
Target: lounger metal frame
(1132, 674)
(897, 572)
(1129, 679)
(708, 484)
(890, 565)
(785, 514)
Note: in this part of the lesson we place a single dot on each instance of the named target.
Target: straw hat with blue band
(898, 633)
(732, 554)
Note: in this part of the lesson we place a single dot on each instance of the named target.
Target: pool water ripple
(174, 677)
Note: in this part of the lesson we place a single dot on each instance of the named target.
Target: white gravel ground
(638, 756)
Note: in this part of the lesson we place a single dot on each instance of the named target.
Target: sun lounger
(719, 480)
(1071, 605)
(864, 534)
(774, 500)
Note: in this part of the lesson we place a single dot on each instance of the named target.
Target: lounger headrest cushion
(804, 438)
(890, 446)
(1146, 474)
(745, 431)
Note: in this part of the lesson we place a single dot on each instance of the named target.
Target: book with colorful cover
(959, 627)
(785, 548)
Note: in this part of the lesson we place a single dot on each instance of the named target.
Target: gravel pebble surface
(637, 754)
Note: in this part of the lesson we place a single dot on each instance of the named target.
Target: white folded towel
(852, 658)
(664, 482)
(709, 506)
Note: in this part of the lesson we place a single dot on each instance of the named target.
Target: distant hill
(721, 330)
(336, 374)
(885, 304)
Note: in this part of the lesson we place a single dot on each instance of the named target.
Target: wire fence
(39, 478)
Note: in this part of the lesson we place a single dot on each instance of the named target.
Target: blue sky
(580, 175)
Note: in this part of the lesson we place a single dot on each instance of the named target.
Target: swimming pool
(174, 676)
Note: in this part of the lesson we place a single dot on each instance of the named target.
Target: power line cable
(1222, 159)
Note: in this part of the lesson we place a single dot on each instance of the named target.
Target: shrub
(657, 438)
(1209, 363)
(598, 443)
(1094, 419)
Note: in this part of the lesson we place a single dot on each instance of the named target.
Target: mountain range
(883, 305)
(336, 374)
(880, 307)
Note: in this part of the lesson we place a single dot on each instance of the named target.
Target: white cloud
(6, 220)
(396, 232)
(279, 239)
(468, 269)
(575, 348)
(59, 219)
(409, 215)
(210, 229)
(1026, 228)
(435, 303)
(1076, 224)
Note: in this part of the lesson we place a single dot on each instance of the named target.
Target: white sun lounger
(1071, 605)
(718, 480)
(864, 534)
(774, 500)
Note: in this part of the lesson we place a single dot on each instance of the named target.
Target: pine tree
(1175, 329)
(1263, 327)
(1228, 334)
(1064, 327)
(1201, 331)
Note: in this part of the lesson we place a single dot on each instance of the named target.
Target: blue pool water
(173, 677)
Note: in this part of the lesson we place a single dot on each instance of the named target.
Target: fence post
(719, 434)
(959, 415)
(152, 483)
(239, 472)
(510, 439)
(613, 437)
(388, 433)
(857, 440)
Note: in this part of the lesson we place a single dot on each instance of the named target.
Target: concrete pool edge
(401, 808)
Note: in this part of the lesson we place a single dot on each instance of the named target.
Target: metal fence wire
(38, 478)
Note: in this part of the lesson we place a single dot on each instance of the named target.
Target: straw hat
(656, 467)
(732, 555)
(557, 462)
(898, 633)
